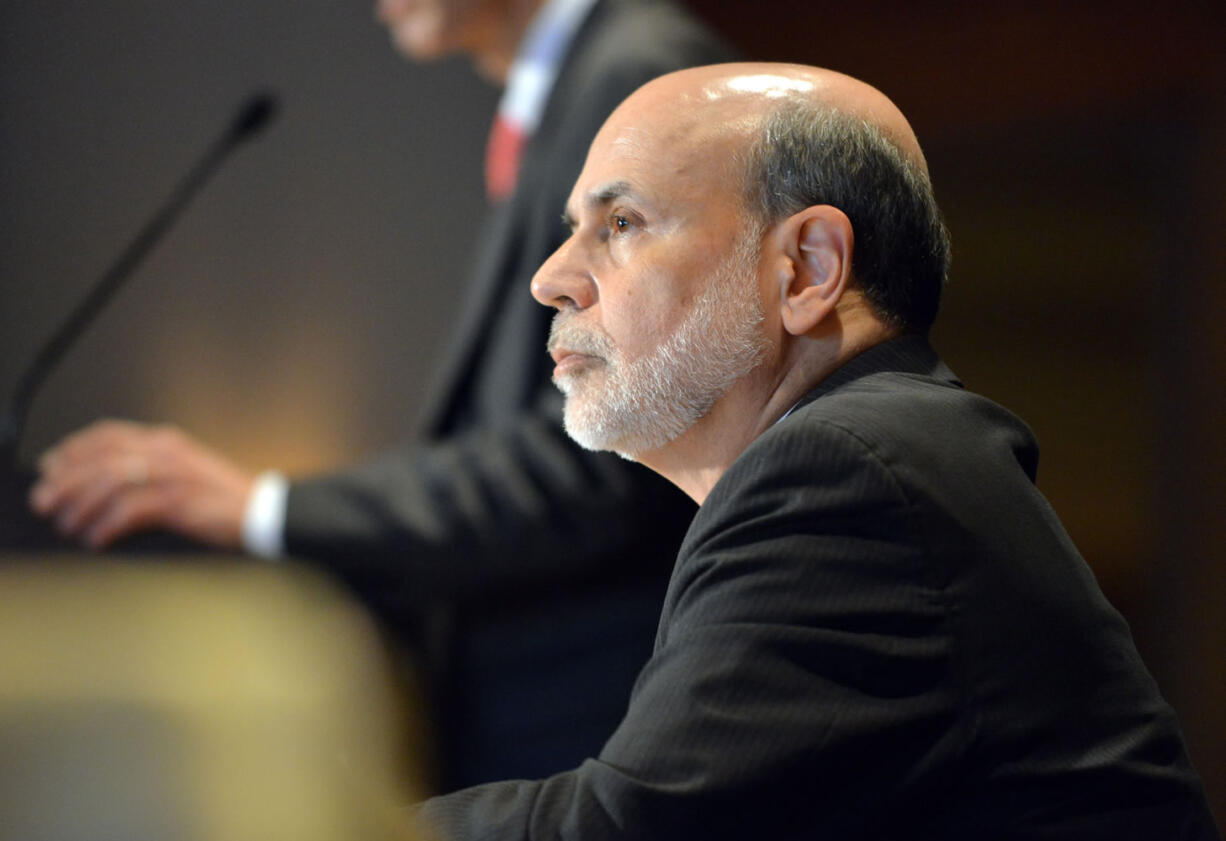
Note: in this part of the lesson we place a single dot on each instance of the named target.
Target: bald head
(795, 137)
(738, 97)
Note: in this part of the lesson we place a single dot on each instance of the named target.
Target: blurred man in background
(528, 572)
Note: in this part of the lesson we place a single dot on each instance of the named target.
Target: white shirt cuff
(264, 519)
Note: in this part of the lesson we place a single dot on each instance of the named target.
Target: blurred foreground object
(205, 701)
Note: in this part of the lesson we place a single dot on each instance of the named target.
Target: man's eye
(620, 223)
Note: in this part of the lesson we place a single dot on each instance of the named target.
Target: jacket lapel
(495, 251)
(499, 249)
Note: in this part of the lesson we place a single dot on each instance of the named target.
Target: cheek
(644, 313)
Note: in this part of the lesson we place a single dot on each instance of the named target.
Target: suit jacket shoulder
(877, 629)
(893, 507)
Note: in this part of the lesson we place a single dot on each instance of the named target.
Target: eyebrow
(601, 197)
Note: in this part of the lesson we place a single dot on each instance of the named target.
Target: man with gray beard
(876, 627)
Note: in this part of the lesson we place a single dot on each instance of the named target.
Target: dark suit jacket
(876, 628)
(553, 560)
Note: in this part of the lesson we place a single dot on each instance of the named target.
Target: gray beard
(633, 407)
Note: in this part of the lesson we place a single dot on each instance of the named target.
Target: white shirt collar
(538, 60)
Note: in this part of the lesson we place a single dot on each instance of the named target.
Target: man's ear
(818, 243)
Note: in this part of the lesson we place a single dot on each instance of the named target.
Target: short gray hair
(809, 154)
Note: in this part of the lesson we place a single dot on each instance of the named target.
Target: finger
(74, 462)
(100, 488)
(44, 497)
(95, 441)
(132, 512)
(61, 487)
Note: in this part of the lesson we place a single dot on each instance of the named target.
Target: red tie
(502, 154)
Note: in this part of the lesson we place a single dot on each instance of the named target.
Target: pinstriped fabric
(877, 629)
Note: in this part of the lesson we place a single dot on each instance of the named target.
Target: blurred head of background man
(487, 31)
(696, 306)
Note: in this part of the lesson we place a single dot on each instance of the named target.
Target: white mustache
(564, 334)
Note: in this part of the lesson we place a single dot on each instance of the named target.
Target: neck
(695, 460)
(698, 458)
(493, 59)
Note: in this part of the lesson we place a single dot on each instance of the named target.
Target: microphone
(252, 117)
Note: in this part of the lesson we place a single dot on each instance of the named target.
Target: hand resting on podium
(114, 478)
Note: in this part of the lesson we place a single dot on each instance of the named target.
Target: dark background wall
(291, 317)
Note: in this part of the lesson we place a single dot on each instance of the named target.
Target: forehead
(670, 157)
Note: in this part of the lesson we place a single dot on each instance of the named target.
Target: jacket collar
(907, 354)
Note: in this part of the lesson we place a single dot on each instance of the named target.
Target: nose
(562, 282)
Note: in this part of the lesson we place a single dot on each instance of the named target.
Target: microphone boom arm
(251, 118)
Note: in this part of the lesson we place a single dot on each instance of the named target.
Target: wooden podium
(193, 697)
